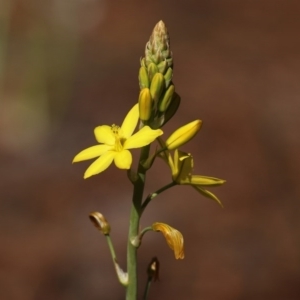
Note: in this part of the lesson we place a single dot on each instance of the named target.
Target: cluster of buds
(158, 100)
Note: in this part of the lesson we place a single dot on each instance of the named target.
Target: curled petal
(91, 152)
(123, 159)
(100, 164)
(142, 138)
(207, 194)
(100, 222)
(130, 121)
(173, 237)
(104, 135)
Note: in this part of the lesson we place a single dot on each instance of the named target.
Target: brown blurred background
(69, 66)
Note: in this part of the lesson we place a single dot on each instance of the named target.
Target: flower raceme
(115, 143)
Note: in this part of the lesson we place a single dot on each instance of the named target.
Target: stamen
(118, 137)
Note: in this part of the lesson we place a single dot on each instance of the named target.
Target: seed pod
(166, 100)
(157, 86)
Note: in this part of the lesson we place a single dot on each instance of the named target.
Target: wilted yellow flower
(182, 168)
(100, 222)
(115, 142)
(173, 237)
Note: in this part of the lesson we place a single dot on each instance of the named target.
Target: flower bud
(157, 86)
(158, 46)
(171, 110)
(143, 62)
(100, 222)
(145, 104)
(143, 78)
(152, 70)
(166, 100)
(183, 134)
(168, 77)
(173, 238)
(162, 67)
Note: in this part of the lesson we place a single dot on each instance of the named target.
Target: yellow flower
(173, 237)
(182, 167)
(115, 142)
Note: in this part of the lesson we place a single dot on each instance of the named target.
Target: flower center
(119, 138)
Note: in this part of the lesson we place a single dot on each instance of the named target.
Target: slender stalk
(153, 195)
(111, 247)
(131, 292)
(147, 288)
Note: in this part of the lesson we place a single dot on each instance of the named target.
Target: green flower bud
(162, 67)
(166, 100)
(152, 70)
(157, 86)
(145, 104)
(168, 77)
(143, 78)
(171, 110)
(158, 48)
(143, 62)
(182, 135)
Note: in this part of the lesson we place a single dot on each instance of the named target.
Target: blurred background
(69, 66)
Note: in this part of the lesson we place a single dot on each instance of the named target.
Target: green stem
(120, 273)
(111, 247)
(136, 209)
(147, 288)
(144, 231)
(153, 195)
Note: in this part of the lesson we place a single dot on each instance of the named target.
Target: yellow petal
(207, 194)
(166, 156)
(142, 138)
(123, 159)
(173, 237)
(130, 121)
(91, 152)
(100, 164)
(104, 135)
(206, 181)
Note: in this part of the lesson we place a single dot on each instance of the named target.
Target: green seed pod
(166, 100)
(152, 70)
(145, 104)
(168, 77)
(162, 67)
(143, 78)
(157, 86)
